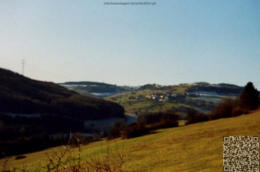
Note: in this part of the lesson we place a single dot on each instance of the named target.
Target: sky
(174, 41)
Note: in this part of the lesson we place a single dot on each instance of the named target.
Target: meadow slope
(196, 147)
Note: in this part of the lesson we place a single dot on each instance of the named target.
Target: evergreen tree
(249, 97)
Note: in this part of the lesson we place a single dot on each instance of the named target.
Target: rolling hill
(202, 97)
(196, 147)
(21, 95)
(96, 89)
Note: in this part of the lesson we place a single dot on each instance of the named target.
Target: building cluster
(164, 96)
(176, 96)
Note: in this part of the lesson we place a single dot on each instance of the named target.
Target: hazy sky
(172, 42)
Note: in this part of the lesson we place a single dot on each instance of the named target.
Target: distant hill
(217, 89)
(201, 96)
(96, 89)
(21, 95)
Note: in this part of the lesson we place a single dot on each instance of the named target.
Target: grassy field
(196, 147)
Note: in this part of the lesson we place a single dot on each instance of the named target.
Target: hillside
(196, 147)
(202, 97)
(32, 112)
(96, 89)
(21, 95)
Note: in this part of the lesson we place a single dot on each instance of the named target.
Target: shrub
(163, 124)
(157, 117)
(237, 110)
(224, 109)
(151, 121)
(134, 130)
(116, 129)
(20, 157)
(248, 100)
(194, 117)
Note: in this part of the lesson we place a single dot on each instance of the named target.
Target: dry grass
(197, 147)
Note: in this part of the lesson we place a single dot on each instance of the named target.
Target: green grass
(196, 147)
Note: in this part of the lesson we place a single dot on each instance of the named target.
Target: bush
(195, 117)
(157, 117)
(134, 130)
(248, 100)
(151, 121)
(163, 124)
(237, 110)
(20, 157)
(116, 129)
(224, 109)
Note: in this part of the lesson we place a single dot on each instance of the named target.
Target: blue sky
(174, 41)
